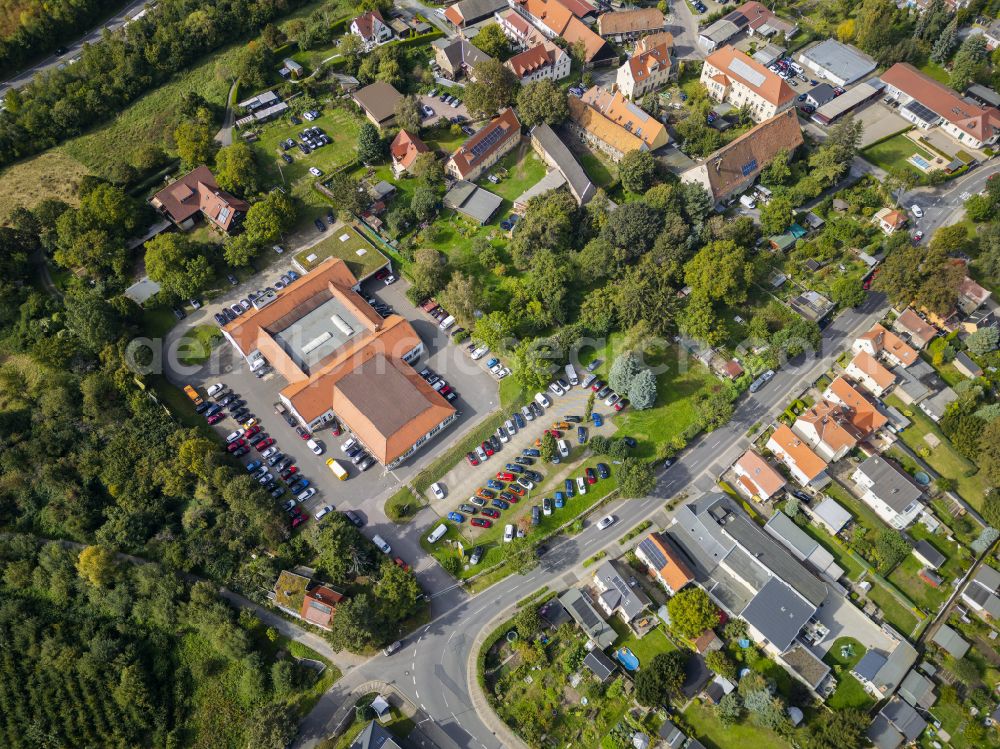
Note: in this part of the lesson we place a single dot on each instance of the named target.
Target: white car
(581, 485)
(278, 248)
(324, 512)
(509, 426)
(482, 454)
(611, 399)
(437, 490)
(917, 210)
(269, 451)
(233, 436)
(556, 390)
(213, 389)
(508, 533)
(389, 280)
(315, 172)
(349, 444)
(527, 413)
(315, 446)
(480, 352)
(306, 494)
(606, 522)
(502, 434)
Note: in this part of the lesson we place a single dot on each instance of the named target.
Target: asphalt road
(72, 50)
(943, 207)
(432, 669)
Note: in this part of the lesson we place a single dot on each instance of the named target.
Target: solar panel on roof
(487, 142)
(747, 73)
(924, 113)
(223, 215)
(653, 554)
(586, 613)
(750, 167)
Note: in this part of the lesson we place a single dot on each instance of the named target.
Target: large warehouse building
(342, 360)
(840, 64)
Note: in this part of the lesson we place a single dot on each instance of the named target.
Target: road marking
(416, 694)
(414, 681)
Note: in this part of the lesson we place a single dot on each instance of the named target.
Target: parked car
(456, 517)
(481, 522)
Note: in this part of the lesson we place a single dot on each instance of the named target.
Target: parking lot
(363, 492)
(442, 110)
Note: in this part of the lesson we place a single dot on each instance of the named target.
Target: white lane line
(414, 681)
(416, 694)
(443, 694)
(425, 710)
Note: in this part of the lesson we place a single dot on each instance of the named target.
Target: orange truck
(192, 394)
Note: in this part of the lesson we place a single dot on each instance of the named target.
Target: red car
(400, 563)
(481, 522)
(299, 520)
(487, 448)
(252, 431)
(621, 403)
(303, 433)
(503, 476)
(335, 428)
(591, 476)
(472, 458)
(598, 384)
(508, 497)
(555, 433)
(233, 446)
(445, 390)
(290, 471)
(216, 418)
(264, 443)
(490, 513)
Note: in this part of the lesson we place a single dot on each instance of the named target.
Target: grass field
(926, 596)
(936, 72)
(644, 648)
(849, 692)
(346, 243)
(197, 344)
(944, 458)
(53, 174)
(898, 615)
(709, 731)
(893, 153)
(599, 172)
(524, 169)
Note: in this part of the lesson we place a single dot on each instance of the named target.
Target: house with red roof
(404, 149)
(198, 194)
(372, 29)
(755, 477)
(735, 77)
(866, 370)
(880, 342)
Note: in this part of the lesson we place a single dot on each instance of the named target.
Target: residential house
(752, 17)
(819, 95)
(935, 405)
(812, 306)
(827, 427)
(862, 413)
(588, 619)
(971, 296)
(983, 95)
(563, 18)
(915, 328)
(982, 593)
(518, 29)
(300, 596)
(880, 342)
(803, 546)
(665, 562)
(600, 665)
(374, 736)
(927, 103)
(544, 61)
(378, 101)
(889, 220)
(734, 77)
(992, 35)
(404, 149)
(671, 736)
(291, 69)
(625, 25)
(866, 370)
(916, 382)
(457, 56)
(808, 468)
(484, 149)
(616, 596)
(472, 201)
(756, 478)
(614, 125)
(735, 166)
(372, 29)
(927, 555)
(550, 147)
(889, 491)
(917, 690)
(469, 12)
(831, 515)
(840, 64)
(896, 724)
(950, 641)
(198, 194)
(867, 668)
(647, 70)
(964, 364)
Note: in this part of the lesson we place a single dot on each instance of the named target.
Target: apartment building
(734, 77)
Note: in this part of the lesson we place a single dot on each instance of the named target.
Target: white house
(372, 29)
(888, 491)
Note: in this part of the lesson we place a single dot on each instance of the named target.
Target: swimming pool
(920, 161)
(627, 658)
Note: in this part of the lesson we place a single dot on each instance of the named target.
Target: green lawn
(936, 72)
(862, 513)
(644, 648)
(944, 458)
(709, 731)
(849, 692)
(896, 614)
(906, 578)
(524, 169)
(599, 172)
(893, 153)
(197, 344)
(344, 242)
(402, 506)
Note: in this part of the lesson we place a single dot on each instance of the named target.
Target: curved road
(432, 669)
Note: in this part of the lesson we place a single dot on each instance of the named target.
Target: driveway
(846, 620)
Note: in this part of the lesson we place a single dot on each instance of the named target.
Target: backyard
(893, 153)
(843, 654)
(523, 167)
(707, 728)
(900, 617)
(644, 648)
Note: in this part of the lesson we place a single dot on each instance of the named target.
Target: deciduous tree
(637, 170)
(236, 169)
(493, 42)
(660, 679)
(542, 101)
(494, 88)
(692, 612)
(635, 478)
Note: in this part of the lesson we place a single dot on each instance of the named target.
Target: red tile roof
(763, 479)
(530, 60)
(862, 413)
(319, 605)
(366, 23)
(406, 147)
(644, 64)
(885, 340)
(630, 21)
(799, 452)
(675, 572)
(868, 364)
(832, 425)
(738, 66)
(467, 157)
(198, 192)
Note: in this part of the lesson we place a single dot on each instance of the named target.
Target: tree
(494, 88)
(632, 228)
(528, 623)
(269, 218)
(195, 141)
(980, 208)
(720, 271)
(945, 43)
(90, 318)
(177, 264)
(983, 341)
(427, 169)
(371, 147)
(96, 565)
(720, 662)
(347, 195)
(342, 552)
(701, 322)
(989, 451)
(778, 171)
(271, 727)
(889, 548)
(461, 297)
(692, 612)
(836, 729)
(660, 679)
(548, 448)
(236, 169)
(357, 625)
(424, 202)
(642, 390)
(991, 508)
(969, 61)
(239, 251)
(873, 26)
(494, 329)
(635, 478)
(847, 292)
(776, 215)
(623, 370)
(542, 101)
(408, 114)
(397, 592)
(845, 30)
(493, 42)
(730, 709)
(637, 170)
(253, 65)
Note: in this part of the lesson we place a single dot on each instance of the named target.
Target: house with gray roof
(950, 641)
(917, 690)
(671, 736)
(916, 382)
(374, 736)
(964, 364)
(803, 547)
(927, 554)
(588, 618)
(598, 663)
(889, 491)
(560, 159)
(866, 670)
(935, 405)
(472, 201)
(896, 724)
(981, 593)
(617, 596)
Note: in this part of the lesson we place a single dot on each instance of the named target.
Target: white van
(382, 545)
(447, 322)
(748, 202)
(542, 400)
(563, 446)
(437, 533)
(571, 375)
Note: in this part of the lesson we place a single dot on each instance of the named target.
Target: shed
(927, 554)
(600, 664)
(950, 641)
(831, 515)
